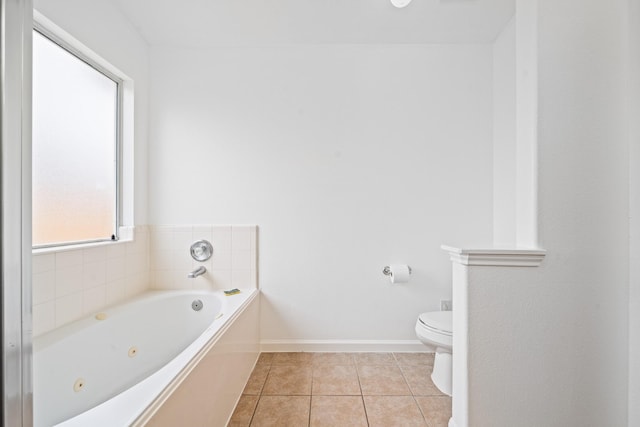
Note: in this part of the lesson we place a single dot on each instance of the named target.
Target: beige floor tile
(436, 409)
(419, 380)
(288, 380)
(414, 359)
(244, 411)
(391, 411)
(299, 358)
(332, 359)
(257, 379)
(335, 380)
(334, 411)
(265, 359)
(282, 411)
(374, 358)
(382, 380)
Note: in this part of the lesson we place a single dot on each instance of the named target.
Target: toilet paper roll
(400, 273)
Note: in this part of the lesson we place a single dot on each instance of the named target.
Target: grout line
(364, 407)
(255, 408)
(366, 416)
(424, 417)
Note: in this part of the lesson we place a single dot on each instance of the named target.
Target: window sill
(127, 234)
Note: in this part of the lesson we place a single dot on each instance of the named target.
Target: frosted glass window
(75, 135)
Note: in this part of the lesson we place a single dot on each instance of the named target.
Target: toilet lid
(440, 320)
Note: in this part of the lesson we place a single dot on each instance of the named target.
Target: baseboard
(356, 346)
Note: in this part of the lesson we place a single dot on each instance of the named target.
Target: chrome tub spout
(197, 272)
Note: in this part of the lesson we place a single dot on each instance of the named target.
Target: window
(76, 134)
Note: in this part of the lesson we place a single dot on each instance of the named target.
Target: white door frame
(16, 22)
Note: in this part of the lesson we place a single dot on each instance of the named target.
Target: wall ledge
(496, 257)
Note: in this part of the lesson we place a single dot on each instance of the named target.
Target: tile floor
(342, 389)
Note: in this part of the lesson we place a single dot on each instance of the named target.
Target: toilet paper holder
(387, 270)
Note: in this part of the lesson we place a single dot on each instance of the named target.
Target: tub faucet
(197, 272)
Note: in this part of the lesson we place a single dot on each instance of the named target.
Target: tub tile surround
(70, 283)
(336, 389)
(233, 264)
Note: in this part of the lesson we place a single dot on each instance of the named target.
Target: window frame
(85, 56)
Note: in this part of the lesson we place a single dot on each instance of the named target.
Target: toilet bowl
(434, 329)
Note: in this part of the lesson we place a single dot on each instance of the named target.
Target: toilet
(434, 329)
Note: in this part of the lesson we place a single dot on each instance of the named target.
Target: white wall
(584, 184)
(504, 137)
(348, 157)
(102, 28)
(552, 343)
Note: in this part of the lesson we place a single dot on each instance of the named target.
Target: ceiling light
(400, 3)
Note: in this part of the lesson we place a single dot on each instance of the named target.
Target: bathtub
(108, 368)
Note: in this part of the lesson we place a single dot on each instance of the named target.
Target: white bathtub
(107, 368)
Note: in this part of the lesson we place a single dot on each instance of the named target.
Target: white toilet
(434, 329)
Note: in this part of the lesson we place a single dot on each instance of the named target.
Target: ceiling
(267, 22)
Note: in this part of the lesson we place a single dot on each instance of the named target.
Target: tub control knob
(201, 250)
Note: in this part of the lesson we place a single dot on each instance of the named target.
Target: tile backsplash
(233, 264)
(72, 283)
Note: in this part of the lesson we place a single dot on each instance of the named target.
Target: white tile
(222, 279)
(253, 236)
(162, 280)
(139, 244)
(68, 308)
(135, 263)
(116, 250)
(161, 239)
(96, 254)
(203, 285)
(207, 279)
(241, 279)
(221, 238)
(161, 260)
(221, 261)
(240, 238)
(68, 281)
(115, 269)
(69, 259)
(44, 287)
(181, 281)
(129, 287)
(203, 232)
(144, 261)
(94, 299)
(44, 318)
(181, 260)
(94, 274)
(114, 292)
(182, 239)
(254, 260)
(139, 283)
(43, 262)
(141, 240)
(254, 279)
(241, 260)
